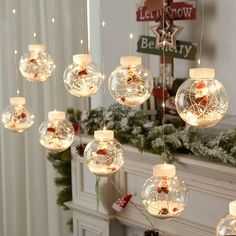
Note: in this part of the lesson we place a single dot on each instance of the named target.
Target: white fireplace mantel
(211, 187)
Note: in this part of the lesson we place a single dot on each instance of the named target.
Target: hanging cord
(34, 20)
(54, 53)
(131, 35)
(202, 32)
(163, 83)
(103, 62)
(15, 53)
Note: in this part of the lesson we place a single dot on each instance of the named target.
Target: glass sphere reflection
(104, 155)
(17, 117)
(130, 83)
(227, 226)
(164, 194)
(201, 100)
(36, 65)
(82, 78)
(56, 134)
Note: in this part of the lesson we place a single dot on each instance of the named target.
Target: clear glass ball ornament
(83, 78)
(104, 155)
(36, 65)
(164, 195)
(56, 134)
(17, 117)
(130, 83)
(202, 100)
(227, 226)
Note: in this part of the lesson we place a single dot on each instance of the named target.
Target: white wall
(219, 48)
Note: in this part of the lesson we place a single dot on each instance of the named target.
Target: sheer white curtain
(27, 191)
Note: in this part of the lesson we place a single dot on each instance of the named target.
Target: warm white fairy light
(131, 36)
(17, 117)
(130, 83)
(82, 78)
(104, 155)
(201, 100)
(164, 194)
(56, 134)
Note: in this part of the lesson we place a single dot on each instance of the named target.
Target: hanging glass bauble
(36, 65)
(227, 226)
(201, 100)
(56, 134)
(17, 117)
(82, 78)
(164, 194)
(130, 83)
(104, 155)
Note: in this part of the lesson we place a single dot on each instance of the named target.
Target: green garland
(135, 128)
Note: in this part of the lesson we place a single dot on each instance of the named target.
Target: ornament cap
(164, 170)
(202, 73)
(17, 101)
(82, 59)
(232, 208)
(130, 60)
(36, 47)
(56, 115)
(104, 135)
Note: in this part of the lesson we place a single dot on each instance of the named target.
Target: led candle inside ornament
(164, 195)
(227, 226)
(36, 65)
(104, 155)
(130, 83)
(56, 134)
(83, 78)
(202, 100)
(17, 117)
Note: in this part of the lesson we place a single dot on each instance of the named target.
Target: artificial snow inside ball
(104, 155)
(130, 83)
(17, 117)
(227, 226)
(36, 65)
(83, 78)
(164, 195)
(202, 100)
(56, 134)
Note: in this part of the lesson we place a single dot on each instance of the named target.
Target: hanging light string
(103, 24)
(15, 53)
(54, 52)
(163, 83)
(83, 47)
(131, 35)
(202, 31)
(34, 20)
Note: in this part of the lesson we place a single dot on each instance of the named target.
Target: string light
(16, 117)
(56, 134)
(201, 101)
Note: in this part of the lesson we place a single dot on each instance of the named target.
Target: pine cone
(151, 233)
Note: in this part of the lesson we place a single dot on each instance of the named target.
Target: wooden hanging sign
(184, 50)
(174, 11)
